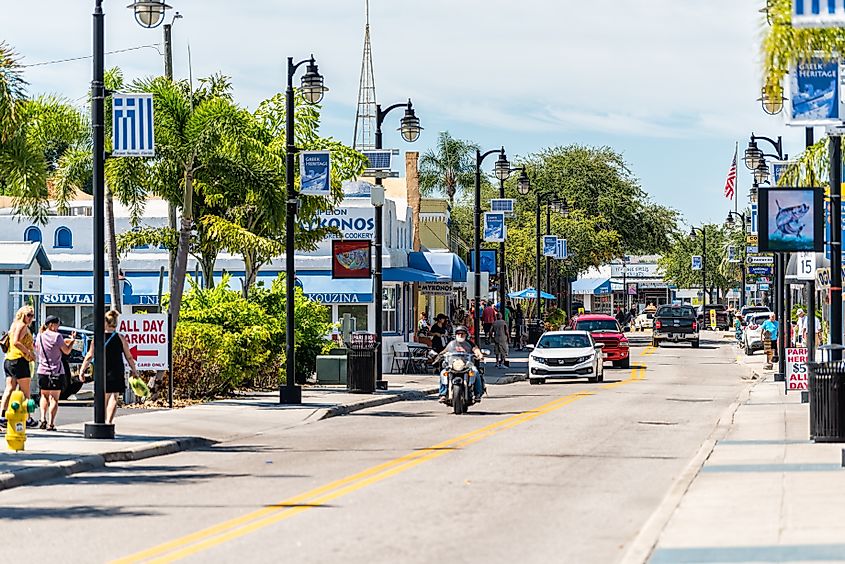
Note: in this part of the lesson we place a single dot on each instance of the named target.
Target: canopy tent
(448, 266)
(591, 286)
(530, 294)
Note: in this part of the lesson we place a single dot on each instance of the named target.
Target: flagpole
(736, 189)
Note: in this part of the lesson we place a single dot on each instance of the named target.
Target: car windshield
(676, 312)
(597, 325)
(563, 342)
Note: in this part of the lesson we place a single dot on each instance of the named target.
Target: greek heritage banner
(494, 227)
(315, 173)
(814, 93)
(549, 245)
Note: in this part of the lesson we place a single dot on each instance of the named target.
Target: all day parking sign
(147, 335)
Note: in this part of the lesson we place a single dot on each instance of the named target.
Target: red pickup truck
(606, 330)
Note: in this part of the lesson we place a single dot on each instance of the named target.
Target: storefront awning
(447, 265)
(406, 274)
(77, 288)
(591, 286)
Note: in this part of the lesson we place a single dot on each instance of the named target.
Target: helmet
(461, 329)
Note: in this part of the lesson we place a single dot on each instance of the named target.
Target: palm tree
(449, 168)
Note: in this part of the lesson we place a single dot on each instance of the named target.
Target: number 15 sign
(806, 266)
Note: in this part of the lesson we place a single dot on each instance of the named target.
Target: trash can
(361, 363)
(535, 331)
(826, 382)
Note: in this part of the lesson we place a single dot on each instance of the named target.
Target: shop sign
(635, 271)
(339, 298)
(351, 222)
(760, 259)
(796, 369)
(68, 299)
(436, 288)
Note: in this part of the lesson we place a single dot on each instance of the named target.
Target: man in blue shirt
(769, 335)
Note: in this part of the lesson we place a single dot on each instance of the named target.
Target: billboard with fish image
(791, 220)
(351, 259)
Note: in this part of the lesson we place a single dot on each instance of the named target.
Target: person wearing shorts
(16, 365)
(50, 345)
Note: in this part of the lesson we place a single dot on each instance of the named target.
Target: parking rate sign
(133, 134)
(796, 369)
(147, 336)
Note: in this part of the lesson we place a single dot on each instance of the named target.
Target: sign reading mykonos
(315, 173)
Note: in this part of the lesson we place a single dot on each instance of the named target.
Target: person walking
(18, 357)
(519, 324)
(488, 317)
(438, 333)
(800, 328)
(49, 347)
(501, 337)
(116, 349)
(770, 339)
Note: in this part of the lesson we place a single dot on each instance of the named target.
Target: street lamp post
(729, 221)
(502, 170)
(522, 183)
(703, 231)
(313, 90)
(410, 130)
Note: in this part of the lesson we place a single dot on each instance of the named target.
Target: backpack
(4, 341)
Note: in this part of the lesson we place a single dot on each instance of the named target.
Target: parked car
(752, 335)
(723, 320)
(565, 354)
(752, 309)
(606, 330)
(644, 321)
(676, 323)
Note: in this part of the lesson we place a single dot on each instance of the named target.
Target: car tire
(748, 351)
(655, 343)
(695, 344)
(625, 362)
(535, 381)
(593, 379)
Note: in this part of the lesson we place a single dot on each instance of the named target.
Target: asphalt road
(563, 472)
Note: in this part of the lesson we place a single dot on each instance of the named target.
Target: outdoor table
(419, 356)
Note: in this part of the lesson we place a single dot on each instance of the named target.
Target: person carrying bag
(49, 348)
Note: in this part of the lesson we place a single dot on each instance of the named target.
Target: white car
(643, 321)
(752, 335)
(565, 354)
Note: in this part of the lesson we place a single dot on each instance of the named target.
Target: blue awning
(406, 274)
(591, 286)
(530, 294)
(77, 288)
(321, 287)
(447, 265)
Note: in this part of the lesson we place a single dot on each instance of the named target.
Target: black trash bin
(361, 363)
(535, 331)
(826, 382)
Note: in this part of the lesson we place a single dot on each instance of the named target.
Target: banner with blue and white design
(778, 170)
(315, 173)
(814, 97)
(818, 13)
(562, 250)
(133, 132)
(549, 245)
(696, 262)
(494, 227)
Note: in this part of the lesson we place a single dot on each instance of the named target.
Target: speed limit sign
(806, 266)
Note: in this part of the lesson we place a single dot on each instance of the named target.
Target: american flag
(730, 183)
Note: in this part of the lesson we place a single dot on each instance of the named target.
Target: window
(66, 314)
(390, 311)
(564, 342)
(63, 239)
(32, 234)
(598, 325)
(358, 312)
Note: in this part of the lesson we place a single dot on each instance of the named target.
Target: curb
(347, 408)
(643, 544)
(89, 462)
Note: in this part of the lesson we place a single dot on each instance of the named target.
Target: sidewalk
(52, 454)
(759, 491)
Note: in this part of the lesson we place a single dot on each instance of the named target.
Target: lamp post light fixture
(729, 223)
(523, 185)
(771, 99)
(502, 170)
(410, 129)
(692, 233)
(312, 90)
(561, 207)
(761, 172)
(149, 13)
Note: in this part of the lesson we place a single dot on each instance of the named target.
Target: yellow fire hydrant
(16, 416)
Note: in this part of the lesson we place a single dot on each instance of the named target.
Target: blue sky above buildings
(670, 84)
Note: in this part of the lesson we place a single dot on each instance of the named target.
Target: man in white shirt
(801, 328)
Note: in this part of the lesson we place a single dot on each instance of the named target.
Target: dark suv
(723, 320)
(676, 323)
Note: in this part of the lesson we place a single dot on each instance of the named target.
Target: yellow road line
(245, 524)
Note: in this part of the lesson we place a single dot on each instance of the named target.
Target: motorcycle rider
(461, 344)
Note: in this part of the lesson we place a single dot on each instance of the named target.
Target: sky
(671, 84)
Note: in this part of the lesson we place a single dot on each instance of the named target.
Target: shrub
(203, 361)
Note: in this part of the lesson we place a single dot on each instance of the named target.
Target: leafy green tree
(720, 274)
(449, 168)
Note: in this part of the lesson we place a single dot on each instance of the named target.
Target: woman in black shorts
(18, 357)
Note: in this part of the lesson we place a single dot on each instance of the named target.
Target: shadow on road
(79, 512)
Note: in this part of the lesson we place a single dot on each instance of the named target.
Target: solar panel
(378, 160)
(502, 205)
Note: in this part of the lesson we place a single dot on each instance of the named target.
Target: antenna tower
(365, 120)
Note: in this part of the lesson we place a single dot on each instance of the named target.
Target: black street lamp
(312, 90)
(410, 130)
(729, 222)
(523, 185)
(149, 13)
(692, 233)
(502, 170)
(561, 207)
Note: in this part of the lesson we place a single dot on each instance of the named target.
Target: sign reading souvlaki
(814, 97)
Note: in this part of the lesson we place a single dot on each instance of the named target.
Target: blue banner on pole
(814, 93)
(818, 13)
(562, 251)
(315, 173)
(133, 132)
(696, 262)
(549, 245)
(494, 227)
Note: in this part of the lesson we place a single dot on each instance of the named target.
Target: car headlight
(584, 358)
(538, 359)
(623, 344)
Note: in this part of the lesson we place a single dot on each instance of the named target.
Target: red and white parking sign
(147, 336)
(796, 369)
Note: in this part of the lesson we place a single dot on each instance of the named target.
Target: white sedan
(644, 321)
(752, 335)
(565, 354)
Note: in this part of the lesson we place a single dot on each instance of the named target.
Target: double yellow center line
(205, 539)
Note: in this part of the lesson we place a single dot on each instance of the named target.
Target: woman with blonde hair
(16, 365)
(116, 349)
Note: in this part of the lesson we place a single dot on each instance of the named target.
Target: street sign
(751, 240)
(751, 250)
(133, 133)
(147, 336)
(806, 266)
(763, 287)
(823, 278)
(696, 262)
(760, 270)
(813, 13)
(760, 259)
(796, 369)
(751, 287)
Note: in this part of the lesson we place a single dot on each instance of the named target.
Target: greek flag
(132, 125)
(818, 13)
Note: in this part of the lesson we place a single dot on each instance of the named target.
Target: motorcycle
(459, 376)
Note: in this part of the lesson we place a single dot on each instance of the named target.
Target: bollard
(805, 396)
